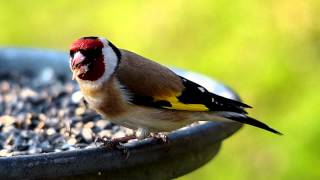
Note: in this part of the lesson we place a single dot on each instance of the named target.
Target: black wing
(193, 98)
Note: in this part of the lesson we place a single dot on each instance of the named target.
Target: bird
(138, 93)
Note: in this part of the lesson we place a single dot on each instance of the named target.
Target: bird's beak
(74, 74)
(77, 59)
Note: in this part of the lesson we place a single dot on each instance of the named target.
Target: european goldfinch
(137, 93)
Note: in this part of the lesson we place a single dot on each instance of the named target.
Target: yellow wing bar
(177, 105)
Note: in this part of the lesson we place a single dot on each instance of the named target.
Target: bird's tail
(242, 118)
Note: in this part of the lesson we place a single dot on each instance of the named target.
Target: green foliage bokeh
(267, 50)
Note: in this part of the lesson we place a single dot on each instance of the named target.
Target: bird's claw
(160, 137)
(116, 143)
(108, 142)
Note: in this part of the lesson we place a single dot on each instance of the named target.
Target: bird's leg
(160, 137)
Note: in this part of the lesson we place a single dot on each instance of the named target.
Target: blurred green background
(268, 50)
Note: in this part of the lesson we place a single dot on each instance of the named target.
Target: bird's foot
(160, 137)
(116, 143)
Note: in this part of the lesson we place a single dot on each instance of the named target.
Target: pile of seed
(41, 115)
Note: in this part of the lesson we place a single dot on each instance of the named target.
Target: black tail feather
(247, 120)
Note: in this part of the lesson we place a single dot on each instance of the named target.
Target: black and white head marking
(111, 58)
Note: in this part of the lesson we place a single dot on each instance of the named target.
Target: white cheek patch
(110, 61)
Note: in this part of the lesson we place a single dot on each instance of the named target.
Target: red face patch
(86, 43)
(91, 66)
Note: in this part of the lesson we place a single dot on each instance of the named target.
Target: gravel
(47, 114)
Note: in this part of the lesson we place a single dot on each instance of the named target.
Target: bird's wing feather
(153, 85)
